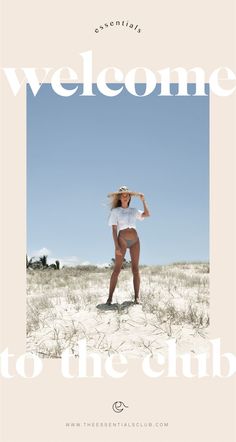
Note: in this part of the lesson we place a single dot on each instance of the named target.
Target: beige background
(174, 33)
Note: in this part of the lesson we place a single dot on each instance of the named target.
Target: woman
(123, 222)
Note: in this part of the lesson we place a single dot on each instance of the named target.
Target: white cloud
(41, 252)
(85, 263)
(101, 266)
(70, 261)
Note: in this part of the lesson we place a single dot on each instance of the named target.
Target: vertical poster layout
(118, 221)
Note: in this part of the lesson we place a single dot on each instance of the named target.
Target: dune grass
(66, 305)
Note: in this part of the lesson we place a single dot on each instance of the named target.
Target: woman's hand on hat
(141, 196)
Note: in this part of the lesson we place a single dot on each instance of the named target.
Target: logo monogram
(119, 406)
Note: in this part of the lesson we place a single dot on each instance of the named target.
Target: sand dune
(67, 305)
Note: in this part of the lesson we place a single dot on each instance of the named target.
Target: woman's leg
(134, 254)
(116, 270)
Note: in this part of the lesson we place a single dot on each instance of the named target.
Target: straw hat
(124, 189)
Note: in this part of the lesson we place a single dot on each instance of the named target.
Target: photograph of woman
(126, 286)
(123, 221)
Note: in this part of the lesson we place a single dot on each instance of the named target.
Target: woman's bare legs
(134, 254)
(116, 270)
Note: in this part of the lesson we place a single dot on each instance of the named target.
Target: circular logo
(119, 406)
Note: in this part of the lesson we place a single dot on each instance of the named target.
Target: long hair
(116, 202)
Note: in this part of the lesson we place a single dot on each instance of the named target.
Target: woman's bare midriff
(128, 233)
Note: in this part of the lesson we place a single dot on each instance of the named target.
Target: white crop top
(124, 218)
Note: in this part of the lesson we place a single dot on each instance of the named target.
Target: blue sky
(81, 148)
